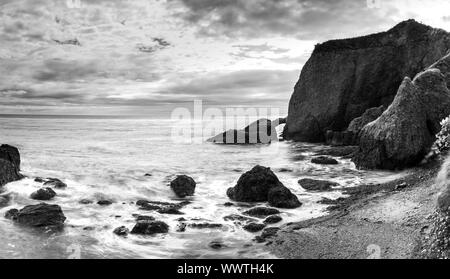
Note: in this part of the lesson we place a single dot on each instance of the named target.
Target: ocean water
(108, 158)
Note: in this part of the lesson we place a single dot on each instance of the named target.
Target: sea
(126, 159)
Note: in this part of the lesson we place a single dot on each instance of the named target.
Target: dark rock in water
(11, 154)
(261, 131)
(403, 135)
(148, 175)
(121, 231)
(43, 194)
(358, 123)
(261, 212)
(344, 78)
(56, 183)
(170, 210)
(317, 185)
(181, 227)
(39, 180)
(216, 245)
(254, 185)
(150, 228)
(273, 219)
(12, 214)
(205, 226)
(85, 201)
(41, 215)
(183, 186)
(8, 172)
(254, 227)
(228, 204)
(285, 170)
(105, 202)
(282, 197)
(324, 160)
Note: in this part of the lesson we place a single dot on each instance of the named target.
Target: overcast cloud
(135, 56)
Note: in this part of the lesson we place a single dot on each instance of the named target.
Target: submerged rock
(317, 185)
(216, 245)
(56, 183)
(121, 231)
(40, 215)
(254, 227)
(324, 160)
(273, 219)
(43, 194)
(259, 185)
(86, 201)
(403, 135)
(261, 212)
(150, 228)
(183, 186)
(344, 78)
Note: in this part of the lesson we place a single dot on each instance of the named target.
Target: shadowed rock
(56, 183)
(317, 185)
(324, 160)
(254, 227)
(150, 228)
(40, 215)
(183, 186)
(344, 78)
(121, 231)
(404, 133)
(43, 194)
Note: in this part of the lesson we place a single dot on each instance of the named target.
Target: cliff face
(344, 78)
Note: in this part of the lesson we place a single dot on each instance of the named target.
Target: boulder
(344, 78)
(261, 131)
(12, 214)
(282, 197)
(43, 194)
(121, 231)
(56, 183)
(150, 228)
(404, 133)
(254, 227)
(324, 160)
(8, 172)
(273, 219)
(256, 185)
(40, 215)
(11, 154)
(183, 186)
(317, 185)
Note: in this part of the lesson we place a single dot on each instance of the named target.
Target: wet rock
(217, 245)
(121, 231)
(150, 228)
(143, 218)
(405, 132)
(56, 183)
(12, 214)
(273, 219)
(261, 212)
(285, 170)
(41, 215)
(254, 227)
(317, 185)
(181, 227)
(282, 197)
(11, 154)
(238, 218)
(324, 160)
(181, 219)
(183, 186)
(205, 226)
(85, 201)
(8, 172)
(105, 202)
(148, 175)
(170, 210)
(254, 186)
(43, 194)
(228, 204)
(39, 180)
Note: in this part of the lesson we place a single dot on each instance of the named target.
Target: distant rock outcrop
(344, 78)
(261, 131)
(404, 133)
(9, 164)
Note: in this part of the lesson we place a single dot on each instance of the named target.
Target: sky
(150, 56)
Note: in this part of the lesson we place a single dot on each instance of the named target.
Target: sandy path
(385, 223)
